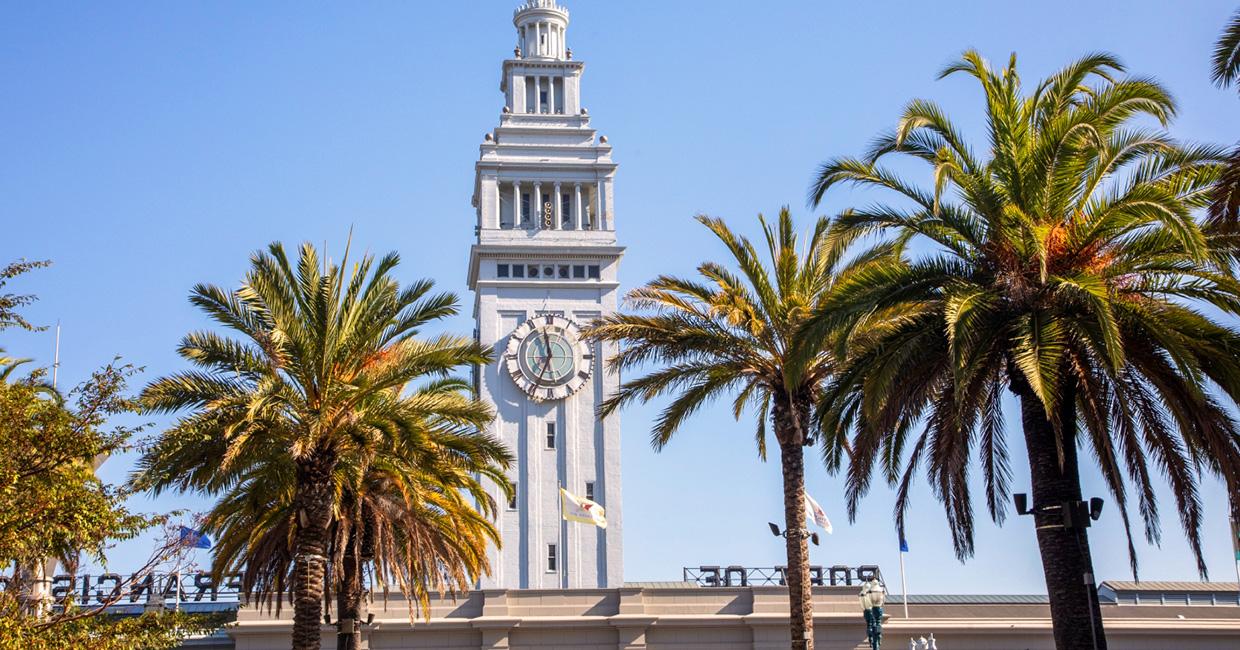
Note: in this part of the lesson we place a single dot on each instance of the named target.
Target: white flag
(817, 514)
(582, 510)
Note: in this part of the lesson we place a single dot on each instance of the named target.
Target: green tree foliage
(1226, 63)
(11, 302)
(53, 506)
(154, 630)
(1065, 265)
(1226, 70)
(406, 516)
(311, 384)
(736, 334)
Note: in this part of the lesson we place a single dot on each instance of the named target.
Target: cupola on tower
(545, 263)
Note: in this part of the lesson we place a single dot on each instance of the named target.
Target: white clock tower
(545, 263)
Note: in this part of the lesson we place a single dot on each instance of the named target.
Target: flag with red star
(582, 510)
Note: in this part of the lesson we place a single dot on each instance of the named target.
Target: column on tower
(516, 204)
(556, 200)
(577, 206)
(551, 95)
(536, 208)
(538, 94)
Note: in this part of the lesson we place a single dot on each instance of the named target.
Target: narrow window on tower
(593, 268)
(518, 270)
(590, 490)
(501, 270)
(566, 211)
(525, 209)
(579, 271)
(550, 435)
(553, 564)
(532, 271)
(563, 271)
(512, 498)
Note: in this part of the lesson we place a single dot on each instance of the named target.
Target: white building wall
(540, 150)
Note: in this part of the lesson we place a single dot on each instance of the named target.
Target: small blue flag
(194, 538)
(903, 545)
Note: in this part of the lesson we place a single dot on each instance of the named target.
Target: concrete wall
(749, 618)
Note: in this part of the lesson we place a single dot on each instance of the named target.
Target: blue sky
(145, 147)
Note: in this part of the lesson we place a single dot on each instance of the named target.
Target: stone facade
(546, 245)
(673, 616)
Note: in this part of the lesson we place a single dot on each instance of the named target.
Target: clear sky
(145, 147)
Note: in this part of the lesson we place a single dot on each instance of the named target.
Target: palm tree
(1066, 268)
(310, 380)
(416, 527)
(737, 335)
(1226, 63)
(1226, 71)
(406, 518)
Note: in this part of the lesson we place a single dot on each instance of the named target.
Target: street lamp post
(872, 596)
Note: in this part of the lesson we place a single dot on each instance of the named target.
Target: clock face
(547, 359)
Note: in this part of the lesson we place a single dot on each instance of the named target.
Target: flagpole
(903, 585)
(56, 357)
(562, 567)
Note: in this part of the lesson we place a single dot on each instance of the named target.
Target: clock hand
(547, 356)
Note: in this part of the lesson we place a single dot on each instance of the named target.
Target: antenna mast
(56, 356)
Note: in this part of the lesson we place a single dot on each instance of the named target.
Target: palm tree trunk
(314, 507)
(349, 595)
(790, 433)
(1066, 563)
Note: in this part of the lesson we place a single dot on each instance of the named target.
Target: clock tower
(545, 264)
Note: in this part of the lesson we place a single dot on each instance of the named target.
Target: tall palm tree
(310, 379)
(736, 335)
(1226, 71)
(1065, 267)
(406, 518)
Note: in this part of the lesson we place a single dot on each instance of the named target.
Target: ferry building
(546, 260)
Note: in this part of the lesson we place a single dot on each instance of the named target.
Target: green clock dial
(547, 359)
